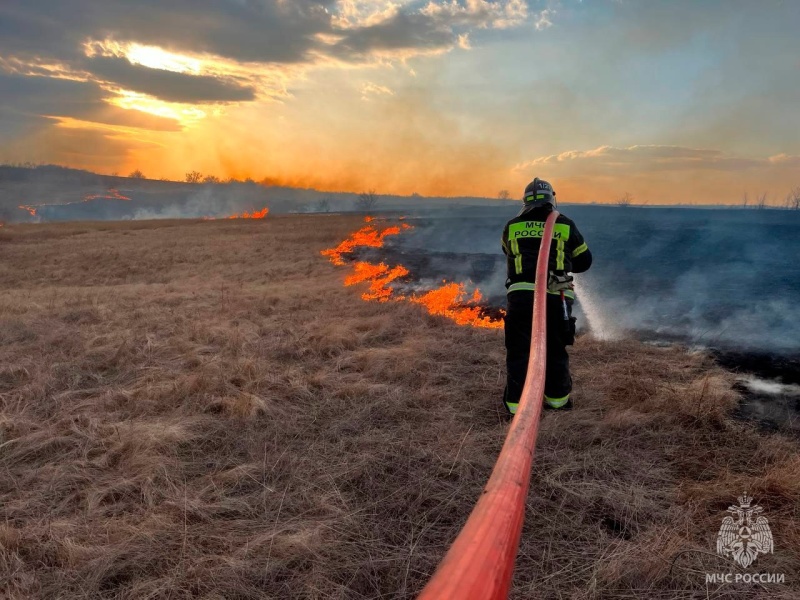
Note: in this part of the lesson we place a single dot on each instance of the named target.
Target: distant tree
(324, 204)
(211, 179)
(745, 199)
(761, 202)
(115, 174)
(137, 174)
(625, 200)
(793, 199)
(503, 195)
(416, 195)
(367, 200)
(194, 177)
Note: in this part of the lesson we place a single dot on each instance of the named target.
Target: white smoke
(720, 278)
(773, 388)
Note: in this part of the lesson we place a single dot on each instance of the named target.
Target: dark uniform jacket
(522, 236)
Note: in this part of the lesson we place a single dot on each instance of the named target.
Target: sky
(668, 101)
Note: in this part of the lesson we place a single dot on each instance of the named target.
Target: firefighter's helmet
(539, 192)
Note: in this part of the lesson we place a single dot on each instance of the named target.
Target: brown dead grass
(203, 410)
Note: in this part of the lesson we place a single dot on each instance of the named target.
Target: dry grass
(203, 410)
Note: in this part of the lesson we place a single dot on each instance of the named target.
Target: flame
(111, 195)
(256, 214)
(364, 237)
(379, 277)
(450, 300)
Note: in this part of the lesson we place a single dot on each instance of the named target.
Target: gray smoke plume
(724, 278)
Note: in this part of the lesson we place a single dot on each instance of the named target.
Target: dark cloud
(167, 85)
(243, 30)
(34, 36)
(32, 99)
(264, 31)
(401, 32)
(47, 37)
(48, 96)
(432, 26)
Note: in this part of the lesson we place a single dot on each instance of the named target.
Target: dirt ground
(202, 410)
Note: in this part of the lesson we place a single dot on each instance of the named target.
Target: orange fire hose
(480, 563)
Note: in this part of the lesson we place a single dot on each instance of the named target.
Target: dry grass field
(203, 410)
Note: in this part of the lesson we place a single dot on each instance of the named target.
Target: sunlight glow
(152, 57)
(156, 58)
(185, 114)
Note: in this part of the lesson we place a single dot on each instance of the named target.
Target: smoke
(209, 201)
(773, 388)
(721, 278)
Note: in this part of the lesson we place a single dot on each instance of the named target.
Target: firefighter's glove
(559, 283)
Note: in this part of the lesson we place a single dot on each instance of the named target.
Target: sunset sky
(672, 101)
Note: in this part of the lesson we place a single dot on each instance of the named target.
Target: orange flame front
(379, 277)
(449, 300)
(256, 214)
(111, 195)
(365, 237)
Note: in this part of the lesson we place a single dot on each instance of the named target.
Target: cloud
(665, 174)
(372, 89)
(32, 98)
(543, 19)
(225, 51)
(352, 14)
(478, 13)
(436, 27)
(167, 85)
(414, 32)
(264, 32)
(645, 158)
(46, 95)
(258, 31)
(785, 160)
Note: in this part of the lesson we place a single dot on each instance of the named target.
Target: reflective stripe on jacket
(522, 237)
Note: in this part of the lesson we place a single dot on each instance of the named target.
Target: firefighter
(568, 254)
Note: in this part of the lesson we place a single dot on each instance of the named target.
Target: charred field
(196, 409)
